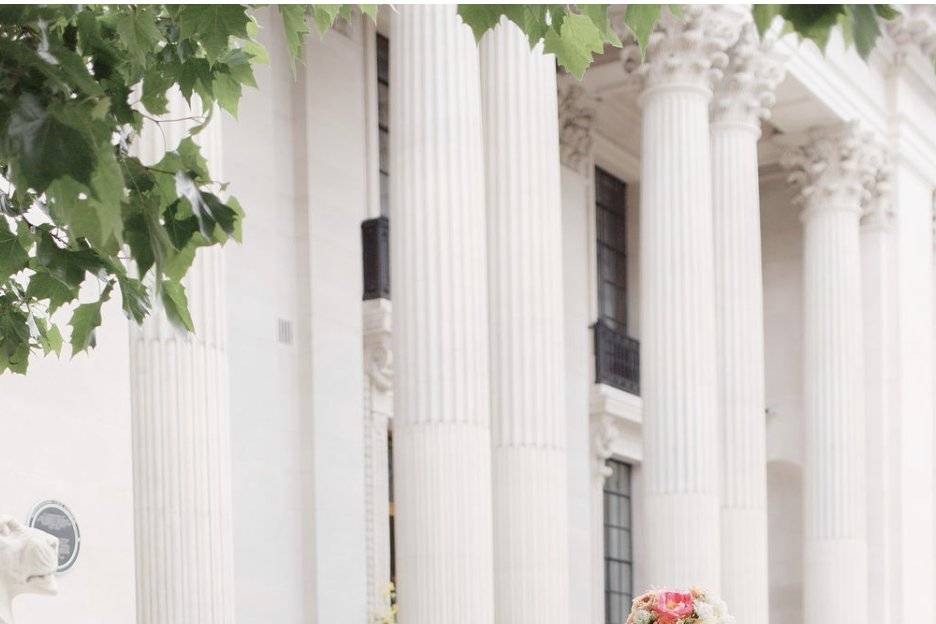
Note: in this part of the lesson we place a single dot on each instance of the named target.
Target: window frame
(622, 594)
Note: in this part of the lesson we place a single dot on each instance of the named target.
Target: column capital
(746, 90)
(914, 27)
(685, 51)
(840, 166)
(576, 120)
(878, 213)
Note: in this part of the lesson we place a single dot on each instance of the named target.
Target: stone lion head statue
(28, 562)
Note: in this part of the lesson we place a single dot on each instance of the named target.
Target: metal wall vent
(284, 331)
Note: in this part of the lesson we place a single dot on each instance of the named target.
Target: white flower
(705, 611)
(721, 611)
(642, 616)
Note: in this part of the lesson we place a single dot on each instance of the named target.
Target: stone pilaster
(442, 437)
(677, 305)
(524, 241)
(181, 436)
(742, 98)
(378, 409)
(836, 174)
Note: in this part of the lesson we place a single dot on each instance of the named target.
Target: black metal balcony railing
(375, 243)
(617, 358)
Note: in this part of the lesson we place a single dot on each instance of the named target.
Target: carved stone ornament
(840, 166)
(378, 360)
(576, 119)
(602, 433)
(28, 562)
(378, 343)
(746, 90)
(689, 50)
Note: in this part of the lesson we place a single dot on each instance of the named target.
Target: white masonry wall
(267, 301)
(781, 234)
(577, 278)
(65, 435)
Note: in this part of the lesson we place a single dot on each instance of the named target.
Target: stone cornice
(688, 51)
(746, 90)
(840, 166)
(577, 111)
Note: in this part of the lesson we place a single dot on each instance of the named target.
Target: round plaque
(56, 519)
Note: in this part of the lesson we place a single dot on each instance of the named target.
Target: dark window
(611, 217)
(383, 120)
(618, 546)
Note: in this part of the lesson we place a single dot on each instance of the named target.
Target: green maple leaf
(214, 24)
(599, 15)
(133, 296)
(49, 337)
(640, 20)
(865, 29)
(12, 255)
(175, 304)
(43, 148)
(295, 29)
(227, 92)
(324, 16)
(138, 32)
(47, 286)
(574, 44)
(85, 320)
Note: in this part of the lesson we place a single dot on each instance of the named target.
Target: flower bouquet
(672, 607)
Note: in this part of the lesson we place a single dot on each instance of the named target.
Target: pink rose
(672, 606)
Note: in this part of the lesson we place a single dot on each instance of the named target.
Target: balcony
(375, 243)
(617, 358)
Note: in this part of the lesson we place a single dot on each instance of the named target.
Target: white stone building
(641, 334)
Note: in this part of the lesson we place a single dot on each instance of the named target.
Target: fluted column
(677, 304)
(836, 175)
(878, 319)
(181, 437)
(528, 429)
(742, 98)
(442, 439)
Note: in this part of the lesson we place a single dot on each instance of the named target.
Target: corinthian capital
(689, 49)
(746, 90)
(915, 27)
(576, 118)
(842, 166)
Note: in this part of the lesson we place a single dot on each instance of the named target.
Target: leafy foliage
(859, 22)
(575, 33)
(80, 214)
